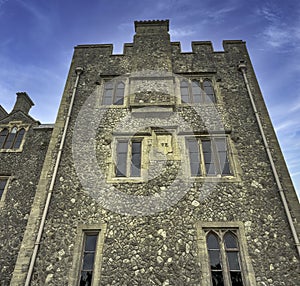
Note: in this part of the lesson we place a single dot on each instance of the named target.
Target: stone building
(162, 168)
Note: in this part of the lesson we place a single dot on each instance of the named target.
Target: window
(223, 253)
(3, 188)
(195, 91)
(3, 182)
(224, 258)
(208, 156)
(128, 158)
(11, 139)
(113, 93)
(87, 256)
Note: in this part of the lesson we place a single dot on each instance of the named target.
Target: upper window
(195, 91)
(128, 158)
(113, 93)
(208, 156)
(11, 139)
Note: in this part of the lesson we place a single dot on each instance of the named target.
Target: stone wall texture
(151, 242)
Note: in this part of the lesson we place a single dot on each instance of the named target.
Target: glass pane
(214, 258)
(197, 98)
(185, 98)
(107, 101)
(2, 186)
(108, 93)
(212, 241)
(206, 146)
(210, 169)
(122, 147)
(86, 278)
(233, 260)
(119, 101)
(108, 85)
(3, 135)
(208, 158)
(184, 83)
(88, 261)
(9, 141)
(136, 147)
(193, 146)
(221, 144)
(230, 241)
(19, 138)
(236, 279)
(90, 242)
(217, 278)
(195, 169)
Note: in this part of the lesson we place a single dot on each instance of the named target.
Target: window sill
(223, 179)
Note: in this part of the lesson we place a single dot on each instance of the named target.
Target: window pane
(121, 159)
(194, 157)
(136, 159)
(2, 186)
(233, 260)
(236, 279)
(217, 278)
(230, 241)
(107, 101)
(90, 243)
(212, 241)
(197, 98)
(88, 261)
(3, 135)
(214, 258)
(122, 147)
(9, 141)
(86, 278)
(19, 139)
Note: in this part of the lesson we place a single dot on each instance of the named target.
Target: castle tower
(163, 168)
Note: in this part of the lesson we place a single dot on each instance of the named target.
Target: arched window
(3, 136)
(233, 260)
(224, 258)
(108, 93)
(184, 91)
(213, 247)
(209, 95)
(19, 138)
(119, 94)
(11, 138)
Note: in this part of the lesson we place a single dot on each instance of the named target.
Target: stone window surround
(2, 199)
(177, 94)
(82, 229)
(111, 177)
(19, 126)
(200, 81)
(231, 153)
(202, 228)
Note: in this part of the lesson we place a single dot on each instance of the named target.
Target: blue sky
(38, 36)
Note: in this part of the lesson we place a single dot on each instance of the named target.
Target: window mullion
(225, 267)
(129, 156)
(216, 157)
(202, 162)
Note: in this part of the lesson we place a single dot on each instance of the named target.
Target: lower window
(86, 268)
(223, 254)
(3, 188)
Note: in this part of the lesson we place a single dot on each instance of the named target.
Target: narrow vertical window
(121, 166)
(108, 93)
(3, 136)
(221, 147)
(209, 162)
(213, 247)
(209, 95)
(196, 92)
(119, 94)
(184, 91)
(136, 158)
(3, 182)
(19, 138)
(10, 139)
(89, 251)
(194, 156)
(232, 254)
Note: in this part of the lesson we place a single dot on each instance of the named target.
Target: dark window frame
(195, 91)
(12, 138)
(211, 163)
(130, 169)
(113, 93)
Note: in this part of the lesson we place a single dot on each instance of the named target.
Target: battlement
(151, 26)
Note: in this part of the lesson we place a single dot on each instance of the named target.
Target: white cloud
(182, 32)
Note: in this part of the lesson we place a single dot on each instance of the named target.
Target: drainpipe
(78, 71)
(242, 67)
